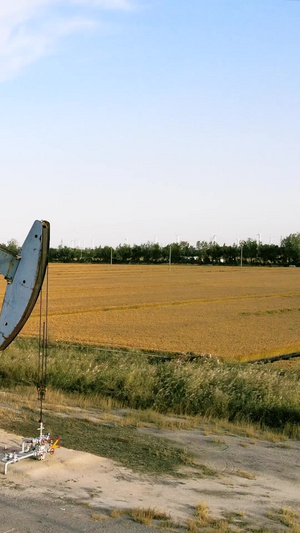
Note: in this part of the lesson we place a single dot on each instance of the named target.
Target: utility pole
(111, 256)
(170, 257)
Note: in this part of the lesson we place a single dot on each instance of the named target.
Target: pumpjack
(24, 274)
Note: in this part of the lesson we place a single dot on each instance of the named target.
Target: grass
(94, 407)
(239, 393)
(142, 453)
(203, 521)
(146, 516)
(113, 438)
(243, 473)
(288, 517)
(98, 517)
(218, 441)
(238, 522)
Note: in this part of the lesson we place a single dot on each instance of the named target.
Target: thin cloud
(107, 4)
(31, 29)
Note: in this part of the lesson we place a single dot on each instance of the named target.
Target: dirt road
(21, 514)
(246, 482)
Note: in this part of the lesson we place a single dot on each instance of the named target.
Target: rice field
(235, 313)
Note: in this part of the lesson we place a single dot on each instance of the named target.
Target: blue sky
(142, 120)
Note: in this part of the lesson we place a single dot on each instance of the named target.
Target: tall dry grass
(249, 393)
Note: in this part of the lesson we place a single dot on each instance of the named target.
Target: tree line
(247, 252)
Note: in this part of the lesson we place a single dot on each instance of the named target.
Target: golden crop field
(237, 313)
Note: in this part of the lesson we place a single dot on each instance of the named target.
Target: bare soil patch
(248, 481)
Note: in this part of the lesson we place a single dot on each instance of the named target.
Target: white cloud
(30, 29)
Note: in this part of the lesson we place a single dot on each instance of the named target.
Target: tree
(291, 248)
(202, 248)
(205, 252)
(107, 254)
(215, 252)
(176, 252)
(156, 254)
(270, 253)
(12, 246)
(136, 253)
(250, 250)
(64, 254)
(231, 254)
(123, 253)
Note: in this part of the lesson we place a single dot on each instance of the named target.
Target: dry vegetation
(232, 312)
(201, 387)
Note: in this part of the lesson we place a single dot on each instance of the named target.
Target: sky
(128, 121)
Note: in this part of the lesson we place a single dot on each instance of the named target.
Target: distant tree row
(248, 252)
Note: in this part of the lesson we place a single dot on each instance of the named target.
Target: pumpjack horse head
(24, 274)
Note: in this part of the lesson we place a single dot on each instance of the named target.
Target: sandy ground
(252, 478)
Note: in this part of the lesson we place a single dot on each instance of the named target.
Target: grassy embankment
(241, 393)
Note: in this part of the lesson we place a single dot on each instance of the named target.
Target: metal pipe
(16, 458)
